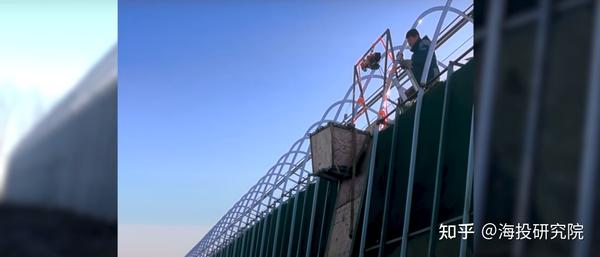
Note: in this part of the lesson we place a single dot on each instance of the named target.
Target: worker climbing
(419, 47)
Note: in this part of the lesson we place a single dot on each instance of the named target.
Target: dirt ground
(34, 232)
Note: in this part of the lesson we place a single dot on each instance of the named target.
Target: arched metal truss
(291, 173)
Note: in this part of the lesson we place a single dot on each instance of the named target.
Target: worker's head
(412, 37)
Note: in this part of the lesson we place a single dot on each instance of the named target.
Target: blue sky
(211, 94)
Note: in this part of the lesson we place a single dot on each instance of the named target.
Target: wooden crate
(332, 148)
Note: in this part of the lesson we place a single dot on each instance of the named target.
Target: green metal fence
(285, 231)
(301, 225)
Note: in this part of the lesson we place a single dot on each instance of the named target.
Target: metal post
(323, 218)
(242, 239)
(227, 250)
(302, 221)
(235, 244)
(240, 248)
(258, 236)
(271, 238)
(411, 173)
(531, 122)
(589, 163)
(353, 98)
(285, 230)
(367, 200)
(415, 136)
(469, 188)
(388, 185)
(312, 217)
(287, 178)
(485, 108)
(293, 225)
(227, 247)
(252, 240)
(240, 243)
(439, 165)
(231, 246)
(245, 243)
(263, 235)
(277, 230)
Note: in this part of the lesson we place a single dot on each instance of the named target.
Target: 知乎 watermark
(519, 231)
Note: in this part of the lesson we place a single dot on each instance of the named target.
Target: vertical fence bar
(293, 225)
(231, 245)
(278, 220)
(244, 242)
(468, 189)
(287, 178)
(271, 238)
(227, 251)
(415, 136)
(240, 242)
(439, 165)
(238, 248)
(312, 217)
(485, 107)
(263, 235)
(286, 229)
(252, 239)
(248, 242)
(411, 173)
(367, 200)
(589, 163)
(258, 236)
(388, 184)
(234, 244)
(323, 218)
(532, 120)
(302, 221)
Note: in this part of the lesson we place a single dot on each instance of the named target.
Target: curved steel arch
(242, 206)
(341, 103)
(429, 11)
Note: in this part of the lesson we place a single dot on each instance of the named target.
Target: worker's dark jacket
(419, 57)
